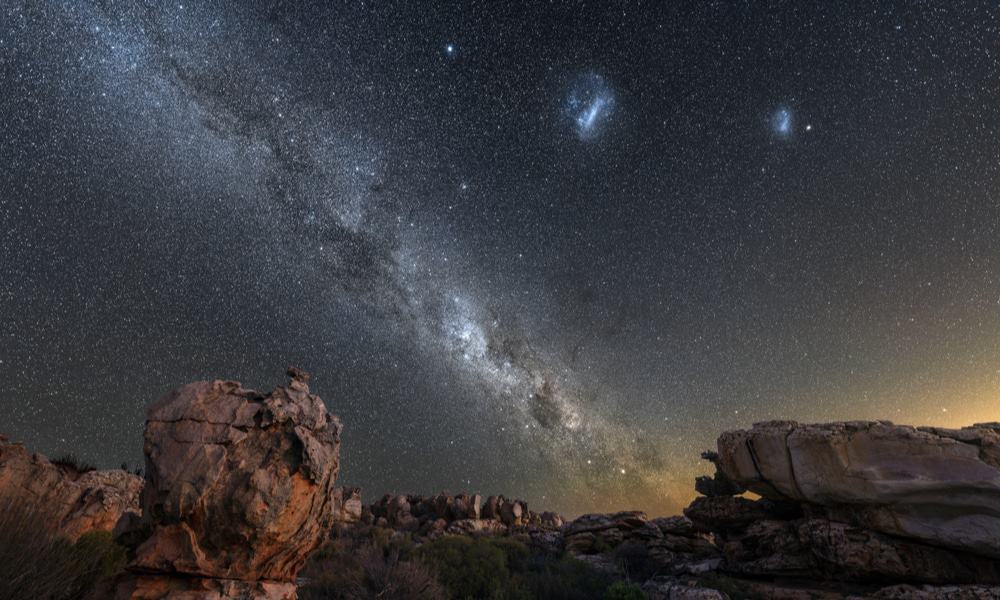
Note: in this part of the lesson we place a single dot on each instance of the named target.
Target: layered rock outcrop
(74, 502)
(939, 486)
(867, 504)
(670, 545)
(845, 511)
(240, 488)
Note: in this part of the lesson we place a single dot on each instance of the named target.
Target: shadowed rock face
(75, 502)
(940, 486)
(240, 487)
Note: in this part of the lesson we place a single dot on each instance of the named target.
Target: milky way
(536, 252)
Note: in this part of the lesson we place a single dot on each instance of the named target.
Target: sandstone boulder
(625, 520)
(347, 505)
(512, 512)
(551, 520)
(398, 510)
(941, 486)
(491, 508)
(76, 502)
(465, 526)
(239, 488)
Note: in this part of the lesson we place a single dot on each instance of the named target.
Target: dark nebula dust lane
(541, 251)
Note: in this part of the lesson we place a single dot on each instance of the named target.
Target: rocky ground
(240, 489)
(840, 510)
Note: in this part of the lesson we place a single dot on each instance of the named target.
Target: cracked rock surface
(240, 487)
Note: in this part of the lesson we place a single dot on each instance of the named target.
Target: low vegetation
(74, 462)
(36, 563)
(376, 563)
(357, 564)
(373, 566)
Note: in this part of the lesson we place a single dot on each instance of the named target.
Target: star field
(548, 250)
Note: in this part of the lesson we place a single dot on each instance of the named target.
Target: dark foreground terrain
(239, 500)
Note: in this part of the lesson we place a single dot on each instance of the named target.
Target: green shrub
(360, 568)
(102, 558)
(564, 578)
(516, 554)
(368, 563)
(621, 590)
(381, 536)
(504, 568)
(467, 567)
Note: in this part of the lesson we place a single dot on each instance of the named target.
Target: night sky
(549, 250)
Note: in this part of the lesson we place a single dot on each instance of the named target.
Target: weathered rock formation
(432, 516)
(671, 545)
(75, 502)
(939, 486)
(867, 504)
(240, 488)
(846, 511)
(347, 506)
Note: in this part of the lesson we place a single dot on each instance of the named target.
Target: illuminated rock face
(240, 488)
(75, 502)
(939, 486)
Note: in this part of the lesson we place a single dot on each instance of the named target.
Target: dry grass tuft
(38, 564)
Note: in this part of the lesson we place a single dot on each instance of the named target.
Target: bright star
(450, 48)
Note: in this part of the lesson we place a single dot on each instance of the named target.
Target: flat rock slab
(941, 486)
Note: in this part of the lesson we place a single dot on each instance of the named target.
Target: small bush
(467, 567)
(634, 560)
(371, 562)
(621, 590)
(72, 461)
(516, 555)
(361, 568)
(563, 578)
(101, 558)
